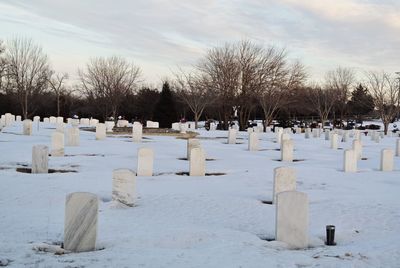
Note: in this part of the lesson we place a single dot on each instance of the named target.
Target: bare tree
(2, 65)
(107, 81)
(57, 85)
(280, 78)
(27, 72)
(384, 91)
(340, 80)
(194, 90)
(220, 68)
(322, 101)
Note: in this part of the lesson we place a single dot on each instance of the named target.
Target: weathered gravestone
(145, 162)
(387, 160)
(40, 159)
(57, 144)
(350, 161)
(197, 166)
(80, 229)
(292, 219)
(27, 127)
(284, 180)
(398, 147)
(123, 184)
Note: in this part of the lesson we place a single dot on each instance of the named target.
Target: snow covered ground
(212, 221)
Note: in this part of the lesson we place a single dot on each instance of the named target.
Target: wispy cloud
(159, 34)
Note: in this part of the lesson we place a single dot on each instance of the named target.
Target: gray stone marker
(27, 127)
(57, 144)
(18, 118)
(350, 161)
(40, 159)
(253, 142)
(284, 180)
(398, 147)
(197, 165)
(124, 183)
(101, 131)
(292, 219)
(137, 132)
(145, 162)
(232, 136)
(80, 229)
(46, 120)
(287, 147)
(387, 160)
(191, 143)
(72, 136)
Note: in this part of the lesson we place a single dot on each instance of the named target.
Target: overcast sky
(161, 35)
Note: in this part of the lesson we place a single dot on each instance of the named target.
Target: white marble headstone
(398, 147)
(253, 142)
(137, 132)
(27, 127)
(72, 136)
(145, 162)
(57, 144)
(191, 143)
(197, 165)
(334, 141)
(387, 160)
(80, 229)
(350, 161)
(284, 180)
(287, 148)
(40, 159)
(292, 219)
(357, 147)
(101, 131)
(232, 136)
(124, 186)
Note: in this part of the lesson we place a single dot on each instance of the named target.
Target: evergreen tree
(165, 112)
(361, 102)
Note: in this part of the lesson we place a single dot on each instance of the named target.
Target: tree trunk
(196, 120)
(58, 104)
(25, 109)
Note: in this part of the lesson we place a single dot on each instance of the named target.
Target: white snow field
(211, 221)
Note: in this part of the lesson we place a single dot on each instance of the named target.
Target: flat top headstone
(80, 230)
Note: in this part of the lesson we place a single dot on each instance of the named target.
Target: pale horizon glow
(161, 36)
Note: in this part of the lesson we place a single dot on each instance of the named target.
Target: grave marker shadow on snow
(185, 173)
(51, 170)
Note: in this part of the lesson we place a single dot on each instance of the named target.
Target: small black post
(330, 235)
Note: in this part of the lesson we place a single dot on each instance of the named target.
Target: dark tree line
(235, 82)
